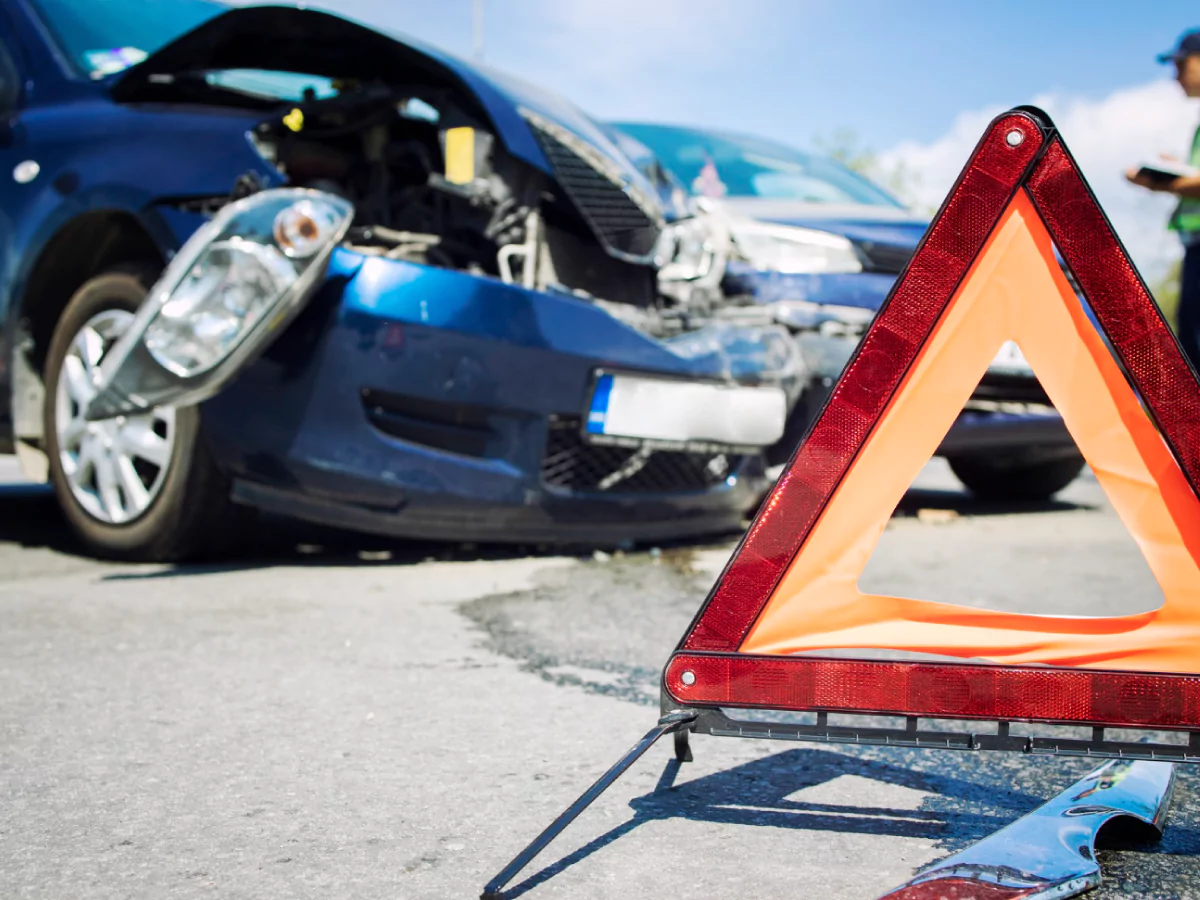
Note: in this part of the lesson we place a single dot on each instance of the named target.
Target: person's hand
(1144, 181)
(1132, 176)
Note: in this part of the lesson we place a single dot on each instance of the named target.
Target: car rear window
(718, 164)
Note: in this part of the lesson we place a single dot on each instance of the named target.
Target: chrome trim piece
(1050, 853)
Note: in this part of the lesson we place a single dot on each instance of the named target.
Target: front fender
(96, 157)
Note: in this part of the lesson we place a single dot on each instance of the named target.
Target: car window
(105, 36)
(279, 85)
(720, 164)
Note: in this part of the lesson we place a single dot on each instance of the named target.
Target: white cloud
(1106, 136)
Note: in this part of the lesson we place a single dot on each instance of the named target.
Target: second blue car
(822, 246)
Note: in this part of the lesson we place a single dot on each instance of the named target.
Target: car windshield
(716, 164)
(105, 36)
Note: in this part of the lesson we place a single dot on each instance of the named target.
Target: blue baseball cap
(1189, 44)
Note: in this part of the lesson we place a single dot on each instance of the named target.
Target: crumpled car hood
(311, 42)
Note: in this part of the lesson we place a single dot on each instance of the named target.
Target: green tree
(845, 146)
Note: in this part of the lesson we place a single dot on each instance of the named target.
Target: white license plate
(659, 409)
(1010, 359)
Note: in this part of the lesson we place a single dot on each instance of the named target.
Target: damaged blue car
(266, 258)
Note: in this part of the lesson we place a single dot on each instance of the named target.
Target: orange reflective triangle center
(1016, 291)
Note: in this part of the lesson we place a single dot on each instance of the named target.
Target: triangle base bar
(953, 690)
(949, 735)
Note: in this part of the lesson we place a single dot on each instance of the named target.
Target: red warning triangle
(985, 274)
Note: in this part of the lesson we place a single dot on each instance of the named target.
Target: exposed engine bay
(430, 184)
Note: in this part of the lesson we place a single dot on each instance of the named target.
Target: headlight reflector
(237, 271)
(225, 294)
(794, 251)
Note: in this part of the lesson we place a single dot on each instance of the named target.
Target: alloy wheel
(114, 467)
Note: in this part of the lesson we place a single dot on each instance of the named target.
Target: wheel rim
(115, 467)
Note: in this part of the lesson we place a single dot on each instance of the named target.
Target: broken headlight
(222, 297)
(691, 256)
(687, 250)
(229, 290)
(794, 251)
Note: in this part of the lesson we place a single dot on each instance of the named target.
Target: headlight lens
(783, 248)
(226, 293)
(257, 251)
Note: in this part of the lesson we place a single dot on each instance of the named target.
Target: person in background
(1186, 218)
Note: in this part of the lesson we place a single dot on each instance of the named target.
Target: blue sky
(792, 69)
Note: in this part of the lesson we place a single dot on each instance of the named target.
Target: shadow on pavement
(284, 542)
(964, 504)
(759, 793)
(29, 517)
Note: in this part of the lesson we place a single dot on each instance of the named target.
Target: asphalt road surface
(342, 717)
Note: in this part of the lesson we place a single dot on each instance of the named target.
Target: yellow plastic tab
(294, 120)
(460, 155)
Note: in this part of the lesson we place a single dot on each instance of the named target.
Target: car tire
(182, 509)
(997, 478)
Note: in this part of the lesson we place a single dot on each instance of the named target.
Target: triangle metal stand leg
(676, 723)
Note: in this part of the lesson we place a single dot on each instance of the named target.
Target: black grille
(573, 465)
(615, 218)
(889, 259)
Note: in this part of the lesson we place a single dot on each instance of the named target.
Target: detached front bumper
(422, 402)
